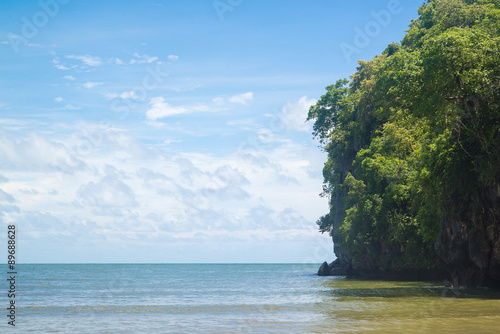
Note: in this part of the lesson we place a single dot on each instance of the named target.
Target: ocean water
(235, 298)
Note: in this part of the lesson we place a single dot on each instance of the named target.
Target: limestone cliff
(413, 143)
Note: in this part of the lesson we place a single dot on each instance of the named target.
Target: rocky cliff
(469, 241)
(468, 248)
(413, 143)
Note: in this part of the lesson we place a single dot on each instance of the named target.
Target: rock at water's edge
(323, 270)
(336, 268)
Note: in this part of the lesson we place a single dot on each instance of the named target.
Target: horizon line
(146, 263)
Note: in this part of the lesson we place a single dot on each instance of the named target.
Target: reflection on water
(381, 306)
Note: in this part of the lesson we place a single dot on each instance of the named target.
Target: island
(413, 144)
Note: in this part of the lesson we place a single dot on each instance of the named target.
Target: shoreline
(337, 268)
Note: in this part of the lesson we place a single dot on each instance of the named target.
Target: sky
(173, 131)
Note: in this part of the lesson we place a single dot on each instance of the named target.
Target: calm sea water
(239, 298)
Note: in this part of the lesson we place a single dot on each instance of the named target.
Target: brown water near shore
(405, 307)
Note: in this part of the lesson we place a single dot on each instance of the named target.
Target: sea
(234, 298)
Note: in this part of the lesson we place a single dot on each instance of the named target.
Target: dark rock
(336, 268)
(469, 241)
(323, 270)
(339, 268)
(338, 272)
(332, 267)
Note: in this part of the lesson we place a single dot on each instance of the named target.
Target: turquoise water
(225, 298)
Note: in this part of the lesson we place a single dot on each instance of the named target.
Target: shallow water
(236, 298)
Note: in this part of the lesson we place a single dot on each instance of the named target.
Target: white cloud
(122, 193)
(173, 57)
(58, 99)
(109, 192)
(90, 84)
(128, 95)
(161, 109)
(293, 115)
(36, 153)
(62, 67)
(87, 60)
(59, 66)
(118, 61)
(69, 77)
(4, 197)
(241, 98)
(141, 59)
(244, 98)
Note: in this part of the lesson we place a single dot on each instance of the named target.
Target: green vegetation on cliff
(413, 142)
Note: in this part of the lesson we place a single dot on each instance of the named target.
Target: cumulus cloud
(161, 109)
(241, 98)
(125, 193)
(230, 176)
(105, 138)
(38, 223)
(294, 114)
(141, 59)
(162, 184)
(173, 57)
(36, 153)
(9, 210)
(87, 60)
(58, 99)
(109, 192)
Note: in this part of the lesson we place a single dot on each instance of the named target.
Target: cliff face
(469, 241)
(468, 246)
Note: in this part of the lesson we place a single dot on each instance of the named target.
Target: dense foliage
(413, 136)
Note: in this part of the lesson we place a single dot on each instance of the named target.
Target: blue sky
(173, 131)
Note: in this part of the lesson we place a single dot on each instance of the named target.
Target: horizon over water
(235, 298)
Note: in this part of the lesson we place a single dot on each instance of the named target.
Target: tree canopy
(413, 137)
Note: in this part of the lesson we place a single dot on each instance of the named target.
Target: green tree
(413, 142)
